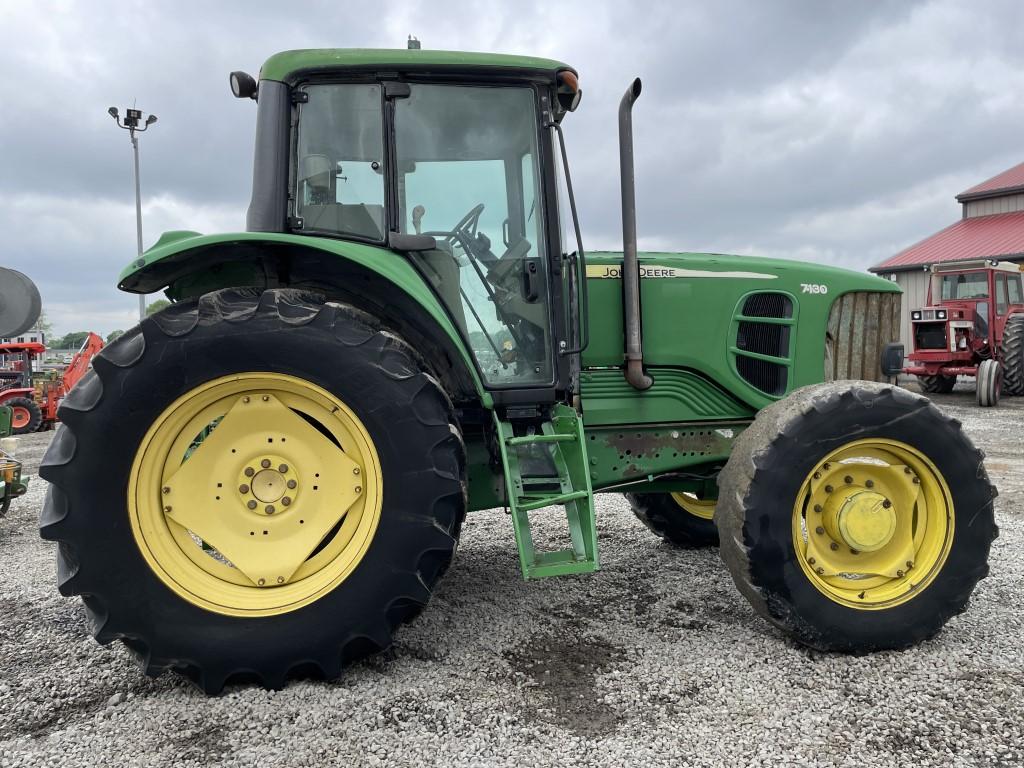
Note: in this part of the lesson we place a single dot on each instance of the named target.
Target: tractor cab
(451, 164)
(16, 365)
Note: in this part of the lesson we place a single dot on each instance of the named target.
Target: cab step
(546, 469)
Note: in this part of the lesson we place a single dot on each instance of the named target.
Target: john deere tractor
(404, 335)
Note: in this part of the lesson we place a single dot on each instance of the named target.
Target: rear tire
(218, 341)
(1013, 355)
(25, 415)
(937, 385)
(989, 383)
(766, 522)
(667, 518)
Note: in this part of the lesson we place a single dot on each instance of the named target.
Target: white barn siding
(1004, 204)
(915, 296)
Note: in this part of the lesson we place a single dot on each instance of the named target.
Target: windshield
(966, 285)
(468, 174)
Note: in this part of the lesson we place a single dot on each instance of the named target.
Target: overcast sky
(830, 131)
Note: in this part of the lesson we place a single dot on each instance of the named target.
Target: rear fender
(378, 280)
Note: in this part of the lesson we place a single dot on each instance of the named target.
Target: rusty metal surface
(623, 454)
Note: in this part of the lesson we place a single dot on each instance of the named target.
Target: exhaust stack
(630, 267)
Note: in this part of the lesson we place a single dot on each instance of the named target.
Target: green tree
(72, 341)
(156, 306)
(114, 335)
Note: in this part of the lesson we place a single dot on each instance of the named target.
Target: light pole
(131, 121)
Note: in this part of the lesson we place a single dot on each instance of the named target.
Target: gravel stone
(655, 660)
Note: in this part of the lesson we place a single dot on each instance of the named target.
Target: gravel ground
(655, 660)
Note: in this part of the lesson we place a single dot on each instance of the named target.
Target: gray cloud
(830, 131)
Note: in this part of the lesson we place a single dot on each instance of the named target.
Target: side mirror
(243, 85)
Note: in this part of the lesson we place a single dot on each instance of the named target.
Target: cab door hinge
(300, 97)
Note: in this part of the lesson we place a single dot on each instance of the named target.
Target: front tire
(180, 537)
(856, 516)
(25, 415)
(682, 520)
(989, 383)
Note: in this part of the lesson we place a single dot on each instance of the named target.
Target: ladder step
(534, 439)
(528, 505)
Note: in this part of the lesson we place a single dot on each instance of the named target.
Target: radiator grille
(765, 338)
(768, 305)
(770, 378)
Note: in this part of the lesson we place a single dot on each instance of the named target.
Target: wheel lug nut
(910, 564)
(245, 399)
(266, 398)
(249, 471)
(847, 479)
(820, 571)
(829, 489)
(811, 560)
(834, 546)
(251, 504)
(280, 579)
(854, 551)
(817, 507)
(869, 483)
(243, 488)
(817, 475)
(917, 481)
(886, 503)
(906, 470)
(899, 574)
(286, 501)
(283, 468)
(826, 466)
(292, 483)
(269, 509)
(355, 470)
(359, 489)
(261, 582)
(819, 530)
(167, 510)
(265, 463)
(167, 489)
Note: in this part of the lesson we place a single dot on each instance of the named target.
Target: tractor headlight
(940, 314)
(915, 315)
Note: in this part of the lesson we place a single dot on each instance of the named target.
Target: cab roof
(289, 65)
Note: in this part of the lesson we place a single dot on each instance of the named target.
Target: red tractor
(33, 399)
(973, 325)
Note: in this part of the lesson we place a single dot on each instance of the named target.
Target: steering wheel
(465, 230)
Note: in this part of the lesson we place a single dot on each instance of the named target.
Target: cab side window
(1013, 291)
(1001, 303)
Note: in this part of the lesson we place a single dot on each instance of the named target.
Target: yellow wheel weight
(255, 494)
(873, 524)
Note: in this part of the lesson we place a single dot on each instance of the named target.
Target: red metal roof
(1001, 182)
(998, 236)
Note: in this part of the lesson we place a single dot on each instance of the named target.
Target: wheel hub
(866, 521)
(267, 484)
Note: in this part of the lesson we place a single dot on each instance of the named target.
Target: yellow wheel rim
(873, 524)
(702, 508)
(255, 494)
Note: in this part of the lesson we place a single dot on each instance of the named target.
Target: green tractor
(12, 484)
(403, 335)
